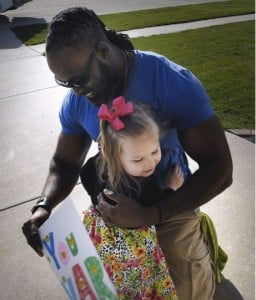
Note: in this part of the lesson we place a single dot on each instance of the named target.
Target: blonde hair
(111, 140)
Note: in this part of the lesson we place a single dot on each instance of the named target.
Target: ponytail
(120, 40)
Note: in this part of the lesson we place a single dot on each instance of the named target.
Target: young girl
(130, 153)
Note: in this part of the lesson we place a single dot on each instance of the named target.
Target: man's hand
(30, 229)
(127, 212)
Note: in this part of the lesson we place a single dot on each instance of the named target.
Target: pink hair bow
(119, 109)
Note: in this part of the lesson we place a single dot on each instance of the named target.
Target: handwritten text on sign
(73, 257)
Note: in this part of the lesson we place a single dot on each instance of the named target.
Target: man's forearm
(60, 181)
(202, 186)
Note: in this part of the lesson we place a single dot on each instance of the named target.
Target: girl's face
(140, 155)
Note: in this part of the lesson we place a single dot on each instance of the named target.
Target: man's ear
(103, 50)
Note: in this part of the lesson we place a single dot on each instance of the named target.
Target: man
(98, 65)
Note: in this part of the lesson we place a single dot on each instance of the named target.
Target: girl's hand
(175, 178)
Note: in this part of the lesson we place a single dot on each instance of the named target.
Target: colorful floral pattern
(133, 259)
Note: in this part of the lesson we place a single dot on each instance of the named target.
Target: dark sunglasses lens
(59, 82)
(67, 84)
(63, 83)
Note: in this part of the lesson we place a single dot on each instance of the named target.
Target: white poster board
(73, 257)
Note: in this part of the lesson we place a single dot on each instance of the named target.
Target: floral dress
(132, 258)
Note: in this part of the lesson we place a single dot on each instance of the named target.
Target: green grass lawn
(178, 14)
(222, 57)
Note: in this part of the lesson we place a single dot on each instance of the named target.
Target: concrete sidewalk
(188, 26)
(29, 104)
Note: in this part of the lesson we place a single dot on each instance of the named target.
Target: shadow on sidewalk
(227, 291)
(11, 31)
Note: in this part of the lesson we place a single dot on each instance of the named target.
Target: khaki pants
(187, 256)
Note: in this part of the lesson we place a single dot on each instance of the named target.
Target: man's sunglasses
(72, 83)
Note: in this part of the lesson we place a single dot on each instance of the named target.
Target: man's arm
(65, 166)
(207, 145)
(63, 174)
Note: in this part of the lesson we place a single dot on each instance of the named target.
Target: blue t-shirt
(175, 95)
